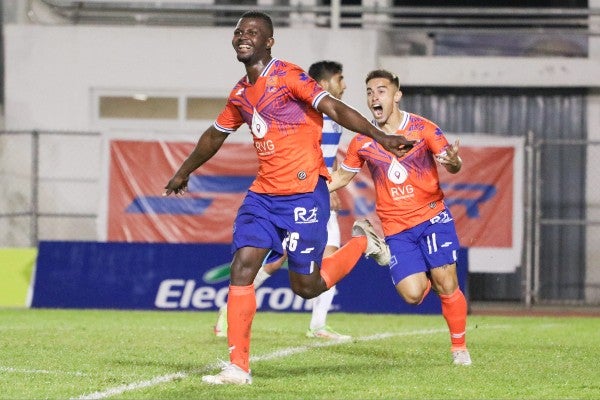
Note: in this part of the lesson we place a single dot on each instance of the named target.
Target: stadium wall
(53, 72)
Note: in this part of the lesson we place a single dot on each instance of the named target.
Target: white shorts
(333, 230)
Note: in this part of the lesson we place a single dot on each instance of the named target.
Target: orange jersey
(280, 109)
(407, 188)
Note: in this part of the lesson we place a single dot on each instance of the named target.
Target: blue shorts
(298, 222)
(333, 238)
(429, 245)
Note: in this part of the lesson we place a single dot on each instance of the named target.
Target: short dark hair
(324, 69)
(262, 16)
(382, 73)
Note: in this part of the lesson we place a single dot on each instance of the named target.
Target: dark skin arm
(209, 143)
(351, 119)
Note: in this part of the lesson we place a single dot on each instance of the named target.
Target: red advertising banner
(481, 197)
(138, 212)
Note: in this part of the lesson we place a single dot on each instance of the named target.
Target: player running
(329, 76)
(283, 107)
(418, 226)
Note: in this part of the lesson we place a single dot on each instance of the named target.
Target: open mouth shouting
(377, 110)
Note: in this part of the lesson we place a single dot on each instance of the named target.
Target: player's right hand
(397, 144)
(177, 185)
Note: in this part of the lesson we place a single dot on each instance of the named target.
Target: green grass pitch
(75, 354)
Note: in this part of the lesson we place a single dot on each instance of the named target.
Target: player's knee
(413, 297)
(412, 300)
(306, 292)
(447, 286)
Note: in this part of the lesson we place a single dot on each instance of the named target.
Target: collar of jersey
(265, 71)
(404, 121)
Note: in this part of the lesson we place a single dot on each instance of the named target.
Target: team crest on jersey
(301, 175)
(271, 83)
(396, 172)
(259, 125)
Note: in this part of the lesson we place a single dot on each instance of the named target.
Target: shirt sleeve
(230, 119)
(303, 87)
(353, 161)
(435, 139)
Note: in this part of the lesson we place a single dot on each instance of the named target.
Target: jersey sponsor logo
(264, 147)
(396, 172)
(259, 125)
(402, 192)
(304, 216)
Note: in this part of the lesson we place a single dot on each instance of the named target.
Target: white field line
(270, 356)
(39, 371)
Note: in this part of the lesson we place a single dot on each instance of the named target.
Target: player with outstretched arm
(418, 226)
(283, 107)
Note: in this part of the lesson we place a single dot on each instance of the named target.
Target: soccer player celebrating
(283, 108)
(418, 227)
(328, 75)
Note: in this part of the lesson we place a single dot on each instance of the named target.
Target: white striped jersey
(332, 133)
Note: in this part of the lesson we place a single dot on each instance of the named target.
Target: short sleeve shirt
(280, 109)
(407, 188)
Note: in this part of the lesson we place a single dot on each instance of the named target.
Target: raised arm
(450, 159)
(209, 143)
(351, 119)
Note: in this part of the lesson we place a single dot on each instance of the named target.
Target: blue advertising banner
(163, 276)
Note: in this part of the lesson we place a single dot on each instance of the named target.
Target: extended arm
(208, 144)
(340, 178)
(351, 119)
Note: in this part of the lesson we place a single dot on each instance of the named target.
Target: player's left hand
(450, 158)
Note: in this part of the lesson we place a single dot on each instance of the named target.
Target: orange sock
(241, 307)
(340, 263)
(454, 309)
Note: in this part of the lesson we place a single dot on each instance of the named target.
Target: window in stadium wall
(204, 108)
(138, 106)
